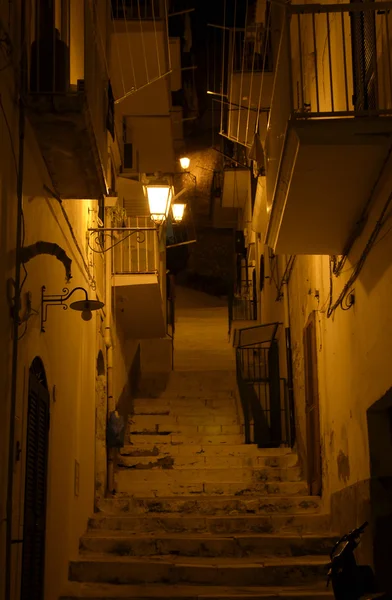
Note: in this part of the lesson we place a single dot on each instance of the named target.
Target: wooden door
(313, 443)
(34, 525)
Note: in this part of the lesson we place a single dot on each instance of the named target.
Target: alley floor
(199, 514)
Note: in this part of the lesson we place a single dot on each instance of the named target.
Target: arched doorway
(34, 523)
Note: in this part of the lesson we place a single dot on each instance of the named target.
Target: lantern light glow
(159, 200)
(185, 162)
(178, 212)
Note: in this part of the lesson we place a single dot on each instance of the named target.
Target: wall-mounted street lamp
(185, 162)
(85, 306)
(159, 201)
(178, 212)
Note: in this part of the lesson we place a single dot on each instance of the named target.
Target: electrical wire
(266, 49)
(129, 44)
(242, 68)
(223, 61)
(10, 136)
(358, 267)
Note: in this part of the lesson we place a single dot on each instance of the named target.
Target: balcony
(140, 9)
(249, 84)
(330, 128)
(137, 287)
(68, 100)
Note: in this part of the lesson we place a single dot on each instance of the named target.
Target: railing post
(274, 389)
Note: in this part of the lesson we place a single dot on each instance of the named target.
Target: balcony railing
(241, 308)
(68, 95)
(334, 60)
(136, 251)
(136, 9)
(263, 393)
(251, 50)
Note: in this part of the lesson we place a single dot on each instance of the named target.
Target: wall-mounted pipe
(15, 326)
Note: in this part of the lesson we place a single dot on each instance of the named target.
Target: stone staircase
(199, 514)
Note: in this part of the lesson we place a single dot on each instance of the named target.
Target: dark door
(364, 53)
(254, 295)
(312, 408)
(34, 525)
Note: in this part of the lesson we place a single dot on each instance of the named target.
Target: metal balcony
(138, 296)
(330, 127)
(68, 100)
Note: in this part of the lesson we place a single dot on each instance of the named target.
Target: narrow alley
(195, 299)
(199, 514)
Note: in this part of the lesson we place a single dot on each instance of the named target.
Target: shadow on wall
(379, 418)
(125, 401)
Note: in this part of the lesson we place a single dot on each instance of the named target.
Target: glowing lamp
(185, 162)
(178, 212)
(159, 200)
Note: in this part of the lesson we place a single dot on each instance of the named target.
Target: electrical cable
(242, 68)
(358, 267)
(129, 44)
(266, 50)
(223, 61)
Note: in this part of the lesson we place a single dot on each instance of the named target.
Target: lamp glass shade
(178, 212)
(159, 200)
(185, 162)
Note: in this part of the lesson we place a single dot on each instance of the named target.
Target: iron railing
(136, 9)
(263, 393)
(241, 308)
(336, 60)
(136, 251)
(251, 49)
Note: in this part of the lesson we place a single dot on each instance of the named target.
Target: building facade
(313, 241)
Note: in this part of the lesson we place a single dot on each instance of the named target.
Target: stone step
(207, 450)
(178, 438)
(209, 475)
(121, 543)
(198, 570)
(102, 591)
(172, 422)
(222, 525)
(125, 484)
(212, 505)
(199, 461)
(186, 430)
(183, 403)
(202, 411)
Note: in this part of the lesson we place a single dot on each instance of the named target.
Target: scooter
(349, 580)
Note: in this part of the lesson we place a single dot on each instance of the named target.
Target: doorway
(312, 409)
(34, 523)
(379, 421)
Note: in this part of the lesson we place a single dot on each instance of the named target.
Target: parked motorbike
(349, 580)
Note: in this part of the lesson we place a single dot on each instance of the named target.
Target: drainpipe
(289, 357)
(15, 327)
(109, 348)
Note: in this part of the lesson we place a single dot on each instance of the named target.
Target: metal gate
(34, 524)
(364, 53)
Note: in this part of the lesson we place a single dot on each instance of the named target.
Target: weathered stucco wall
(353, 352)
(68, 350)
